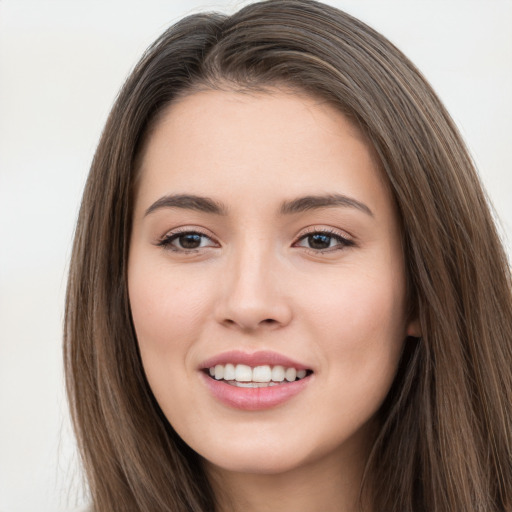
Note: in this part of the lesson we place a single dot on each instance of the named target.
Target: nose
(252, 293)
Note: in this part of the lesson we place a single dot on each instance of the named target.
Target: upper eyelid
(188, 229)
(325, 229)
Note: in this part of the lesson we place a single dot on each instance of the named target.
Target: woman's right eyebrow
(188, 202)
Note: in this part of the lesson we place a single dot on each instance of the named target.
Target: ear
(414, 328)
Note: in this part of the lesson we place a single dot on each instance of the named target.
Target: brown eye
(189, 241)
(186, 241)
(324, 241)
(319, 241)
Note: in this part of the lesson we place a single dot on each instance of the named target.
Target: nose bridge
(252, 269)
(253, 295)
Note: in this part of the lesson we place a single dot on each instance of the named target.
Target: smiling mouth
(244, 376)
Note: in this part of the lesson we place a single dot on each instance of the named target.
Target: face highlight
(266, 280)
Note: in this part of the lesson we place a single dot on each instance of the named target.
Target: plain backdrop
(61, 65)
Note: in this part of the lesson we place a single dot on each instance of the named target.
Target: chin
(257, 463)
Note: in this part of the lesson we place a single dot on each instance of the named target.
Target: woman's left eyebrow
(305, 203)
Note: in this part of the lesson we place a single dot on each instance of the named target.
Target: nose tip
(249, 302)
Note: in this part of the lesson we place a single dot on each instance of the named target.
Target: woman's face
(265, 246)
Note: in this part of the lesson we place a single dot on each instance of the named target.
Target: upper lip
(260, 358)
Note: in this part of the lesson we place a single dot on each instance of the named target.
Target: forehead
(278, 142)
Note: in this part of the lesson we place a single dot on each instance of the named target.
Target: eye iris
(319, 241)
(190, 241)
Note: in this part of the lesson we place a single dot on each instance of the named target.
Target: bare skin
(332, 486)
(262, 224)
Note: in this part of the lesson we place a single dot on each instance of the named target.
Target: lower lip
(254, 399)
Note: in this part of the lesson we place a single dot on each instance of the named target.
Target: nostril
(267, 323)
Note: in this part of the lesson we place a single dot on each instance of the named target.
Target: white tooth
(229, 372)
(261, 374)
(212, 371)
(300, 374)
(278, 373)
(250, 384)
(219, 371)
(291, 374)
(243, 373)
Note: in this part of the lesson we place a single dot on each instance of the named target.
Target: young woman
(287, 291)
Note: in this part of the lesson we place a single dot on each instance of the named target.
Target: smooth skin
(323, 285)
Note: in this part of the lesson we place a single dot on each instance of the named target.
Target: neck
(330, 485)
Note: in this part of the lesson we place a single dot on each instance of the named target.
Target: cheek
(168, 311)
(359, 332)
(358, 323)
(356, 301)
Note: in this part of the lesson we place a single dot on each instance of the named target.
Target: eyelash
(342, 242)
(169, 238)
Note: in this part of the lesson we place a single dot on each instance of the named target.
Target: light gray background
(61, 65)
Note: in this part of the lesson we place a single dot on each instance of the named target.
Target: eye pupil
(319, 241)
(190, 241)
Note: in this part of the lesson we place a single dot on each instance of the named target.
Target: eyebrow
(188, 202)
(299, 205)
(303, 204)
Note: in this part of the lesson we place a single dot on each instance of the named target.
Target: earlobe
(414, 328)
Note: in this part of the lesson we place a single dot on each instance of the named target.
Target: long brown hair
(445, 442)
